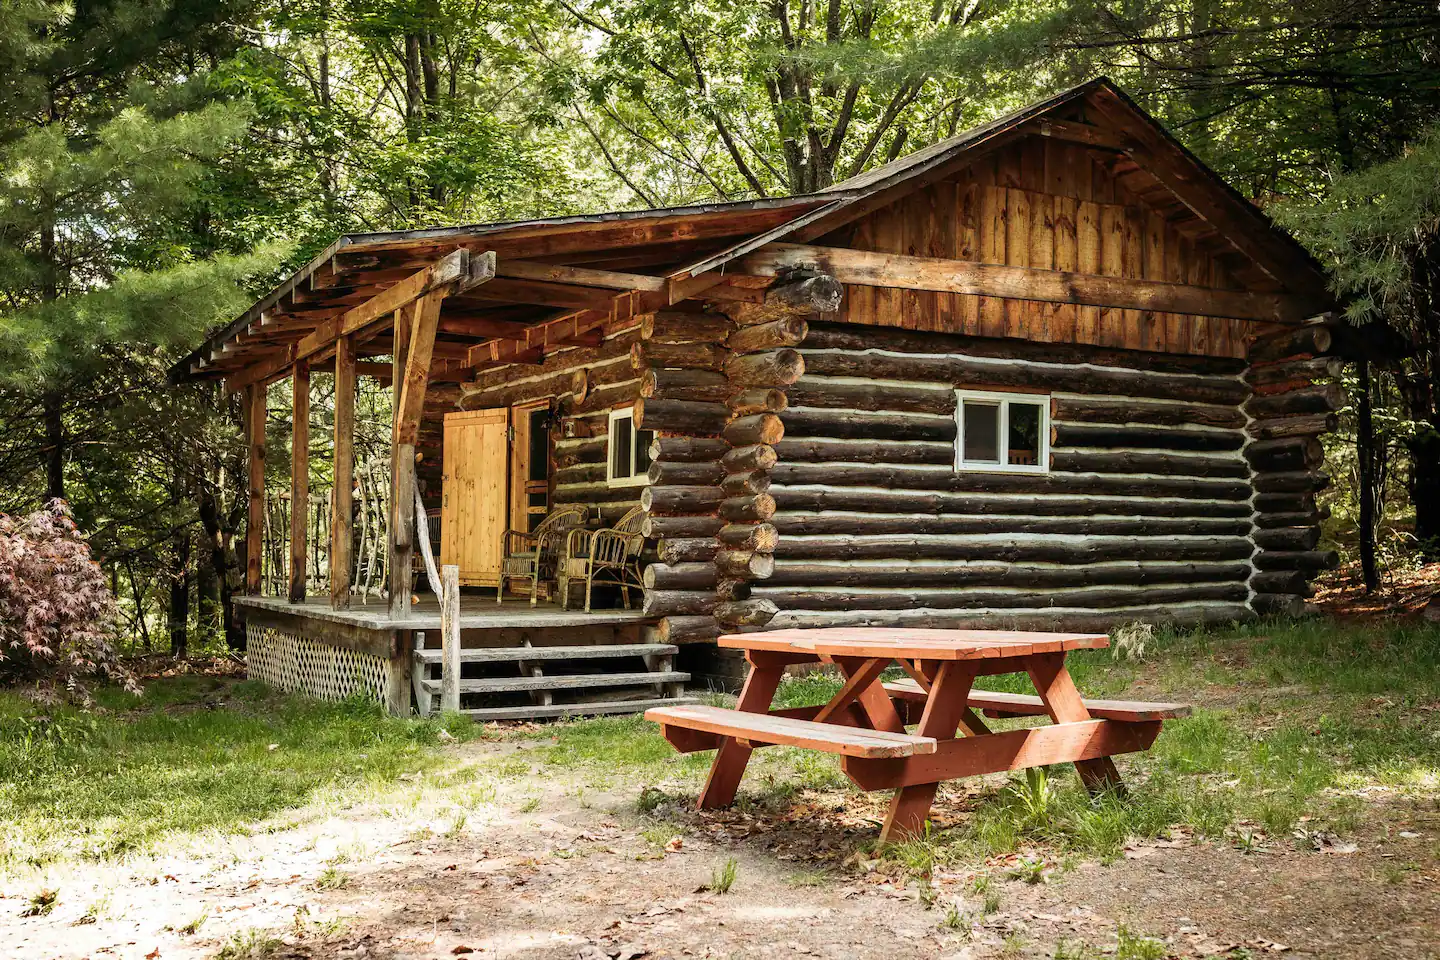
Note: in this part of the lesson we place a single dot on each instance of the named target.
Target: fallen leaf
(153, 954)
(674, 844)
(462, 949)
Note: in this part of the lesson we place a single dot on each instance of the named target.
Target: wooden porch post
(342, 498)
(299, 476)
(255, 462)
(402, 470)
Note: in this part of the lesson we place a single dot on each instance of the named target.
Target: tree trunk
(1365, 459)
(52, 406)
(1425, 492)
(178, 616)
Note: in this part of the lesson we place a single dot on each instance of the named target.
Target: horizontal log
(1295, 481)
(1085, 460)
(853, 337)
(760, 537)
(1309, 339)
(805, 449)
(678, 501)
(1143, 437)
(1301, 518)
(671, 603)
(953, 598)
(995, 573)
(687, 630)
(1325, 398)
(1280, 427)
(670, 473)
(1310, 561)
(728, 590)
(762, 428)
(752, 509)
(823, 392)
(776, 368)
(970, 372)
(590, 492)
(755, 456)
(1266, 503)
(753, 400)
(969, 278)
(750, 613)
(1150, 413)
(926, 503)
(1293, 582)
(658, 528)
(692, 356)
(941, 479)
(580, 473)
(1295, 453)
(744, 564)
(745, 484)
(781, 332)
(687, 449)
(605, 397)
(860, 425)
(861, 524)
(1287, 538)
(1011, 548)
(670, 384)
(694, 417)
(1278, 604)
(674, 550)
(1213, 613)
(568, 453)
(673, 326)
(698, 575)
(1316, 368)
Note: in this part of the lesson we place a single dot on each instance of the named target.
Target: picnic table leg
(1064, 704)
(732, 756)
(944, 709)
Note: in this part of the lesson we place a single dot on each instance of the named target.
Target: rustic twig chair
(611, 555)
(533, 555)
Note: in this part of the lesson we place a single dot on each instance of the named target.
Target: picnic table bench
(865, 722)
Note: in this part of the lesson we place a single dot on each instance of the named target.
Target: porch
(514, 661)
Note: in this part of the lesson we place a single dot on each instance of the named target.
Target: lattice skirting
(297, 664)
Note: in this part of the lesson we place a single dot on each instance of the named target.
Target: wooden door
(474, 511)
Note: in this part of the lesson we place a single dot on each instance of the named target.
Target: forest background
(164, 162)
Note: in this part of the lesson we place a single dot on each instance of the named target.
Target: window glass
(982, 431)
(1023, 433)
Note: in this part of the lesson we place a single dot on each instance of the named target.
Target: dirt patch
(538, 865)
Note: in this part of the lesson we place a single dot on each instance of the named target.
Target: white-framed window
(627, 459)
(1008, 432)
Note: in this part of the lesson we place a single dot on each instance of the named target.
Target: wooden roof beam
(1027, 283)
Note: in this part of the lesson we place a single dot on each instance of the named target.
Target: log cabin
(1050, 373)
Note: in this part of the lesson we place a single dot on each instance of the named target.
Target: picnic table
(865, 722)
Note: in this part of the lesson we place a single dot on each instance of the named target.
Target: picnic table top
(914, 644)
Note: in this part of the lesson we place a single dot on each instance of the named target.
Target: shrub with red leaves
(57, 615)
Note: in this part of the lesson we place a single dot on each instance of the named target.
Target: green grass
(193, 754)
(1301, 717)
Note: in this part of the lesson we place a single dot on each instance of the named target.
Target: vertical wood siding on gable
(1044, 204)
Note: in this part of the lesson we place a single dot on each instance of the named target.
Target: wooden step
(996, 704)
(767, 728)
(577, 681)
(591, 651)
(548, 711)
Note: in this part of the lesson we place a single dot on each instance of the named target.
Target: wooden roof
(552, 270)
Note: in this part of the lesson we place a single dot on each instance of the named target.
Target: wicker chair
(533, 555)
(611, 555)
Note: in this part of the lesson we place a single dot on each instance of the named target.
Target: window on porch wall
(628, 461)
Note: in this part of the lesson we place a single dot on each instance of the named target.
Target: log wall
(1146, 513)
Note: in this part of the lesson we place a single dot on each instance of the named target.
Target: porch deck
(477, 612)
